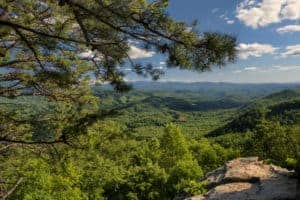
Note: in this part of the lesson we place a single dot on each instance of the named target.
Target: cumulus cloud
(254, 50)
(289, 29)
(291, 10)
(137, 53)
(259, 13)
(293, 50)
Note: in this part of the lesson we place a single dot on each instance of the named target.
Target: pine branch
(12, 62)
(17, 26)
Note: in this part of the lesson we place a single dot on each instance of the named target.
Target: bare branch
(8, 193)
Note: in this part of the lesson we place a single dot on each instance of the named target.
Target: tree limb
(59, 141)
(8, 193)
(12, 62)
(13, 25)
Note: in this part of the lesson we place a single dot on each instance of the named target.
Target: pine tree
(54, 48)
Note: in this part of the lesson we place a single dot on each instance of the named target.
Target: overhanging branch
(7, 140)
(17, 26)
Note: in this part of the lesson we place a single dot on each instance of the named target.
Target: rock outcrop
(250, 179)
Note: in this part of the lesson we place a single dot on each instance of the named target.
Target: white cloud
(87, 54)
(259, 13)
(226, 18)
(134, 53)
(291, 10)
(162, 63)
(268, 69)
(289, 29)
(159, 67)
(250, 68)
(287, 67)
(251, 2)
(254, 50)
(230, 21)
(223, 16)
(293, 50)
(262, 14)
(137, 53)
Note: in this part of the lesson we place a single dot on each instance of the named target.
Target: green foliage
(116, 159)
(145, 114)
(57, 141)
(247, 121)
(183, 177)
(174, 146)
(271, 141)
(47, 36)
(143, 182)
(43, 181)
(55, 49)
(291, 163)
(210, 155)
(108, 164)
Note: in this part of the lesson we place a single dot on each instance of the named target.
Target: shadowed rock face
(250, 179)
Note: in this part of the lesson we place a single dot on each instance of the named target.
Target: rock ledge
(250, 179)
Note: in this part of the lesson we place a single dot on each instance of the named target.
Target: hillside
(138, 139)
(283, 95)
(199, 108)
(281, 106)
(145, 113)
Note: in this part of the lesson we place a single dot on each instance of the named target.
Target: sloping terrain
(282, 106)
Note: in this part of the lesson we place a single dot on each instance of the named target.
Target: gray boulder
(250, 179)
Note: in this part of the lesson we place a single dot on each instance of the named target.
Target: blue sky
(268, 33)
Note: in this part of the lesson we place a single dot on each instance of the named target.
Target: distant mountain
(214, 88)
(191, 104)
